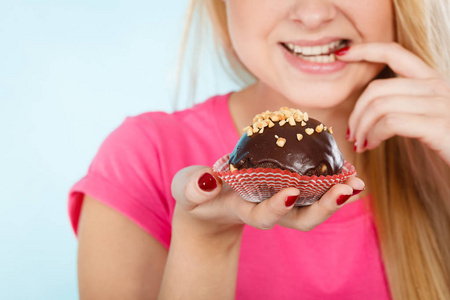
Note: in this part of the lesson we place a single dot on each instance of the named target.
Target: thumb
(195, 185)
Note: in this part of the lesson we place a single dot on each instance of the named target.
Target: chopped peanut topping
(232, 168)
(274, 118)
(291, 121)
(319, 128)
(287, 114)
(281, 142)
(282, 116)
(305, 117)
(309, 131)
(299, 136)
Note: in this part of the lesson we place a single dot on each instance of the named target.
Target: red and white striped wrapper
(256, 185)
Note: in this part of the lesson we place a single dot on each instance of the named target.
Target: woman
(380, 71)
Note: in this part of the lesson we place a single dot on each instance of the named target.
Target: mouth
(318, 53)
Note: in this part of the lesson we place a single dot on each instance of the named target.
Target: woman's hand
(414, 105)
(207, 229)
(202, 197)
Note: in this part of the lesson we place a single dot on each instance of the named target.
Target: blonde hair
(411, 201)
(203, 18)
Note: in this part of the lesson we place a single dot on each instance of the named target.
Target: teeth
(306, 50)
(319, 58)
(316, 50)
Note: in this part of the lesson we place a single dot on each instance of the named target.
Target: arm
(116, 258)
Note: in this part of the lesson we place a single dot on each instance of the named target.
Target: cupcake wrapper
(256, 185)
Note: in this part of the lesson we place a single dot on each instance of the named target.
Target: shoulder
(202, 116)
(180, 138)
(202, 128)
(134, 166)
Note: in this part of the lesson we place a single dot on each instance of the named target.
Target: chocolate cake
(288, 139)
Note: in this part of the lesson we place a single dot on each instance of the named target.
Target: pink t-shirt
(132, 173)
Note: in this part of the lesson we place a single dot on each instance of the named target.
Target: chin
(319, 97)
(326, 92)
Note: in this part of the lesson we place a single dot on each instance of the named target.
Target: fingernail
(290, 200)
(207, 182)
(355, 146)
(365, 144)
(342, 51)
(347, 135)
(356, 192)
(342, 198)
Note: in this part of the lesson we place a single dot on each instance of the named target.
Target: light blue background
(70, 72)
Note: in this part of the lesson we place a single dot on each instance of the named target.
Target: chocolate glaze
(305, 157)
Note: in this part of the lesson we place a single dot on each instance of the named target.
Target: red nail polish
(207, 182)
(355, 147)
(365, 144)
(342, 51)
(290, 200)
(347, 135)
(356, 192)
(342, 198)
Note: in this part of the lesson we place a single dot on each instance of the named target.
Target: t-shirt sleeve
(125, 175)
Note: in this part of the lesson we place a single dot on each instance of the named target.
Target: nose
(313, 13)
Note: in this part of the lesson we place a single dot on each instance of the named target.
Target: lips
(314, 57)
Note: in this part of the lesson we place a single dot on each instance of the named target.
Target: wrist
(205, 233)
(203, 259)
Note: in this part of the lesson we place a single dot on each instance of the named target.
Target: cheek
(378, 32)
(374, 20)
(312, 93)
(250, 23)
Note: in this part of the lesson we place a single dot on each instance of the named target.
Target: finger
(357, 186)
(268, 213)
(430, 131)
(400, 60)
(391, 104)
(195, 185)
(307, 218)
(382, 87)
